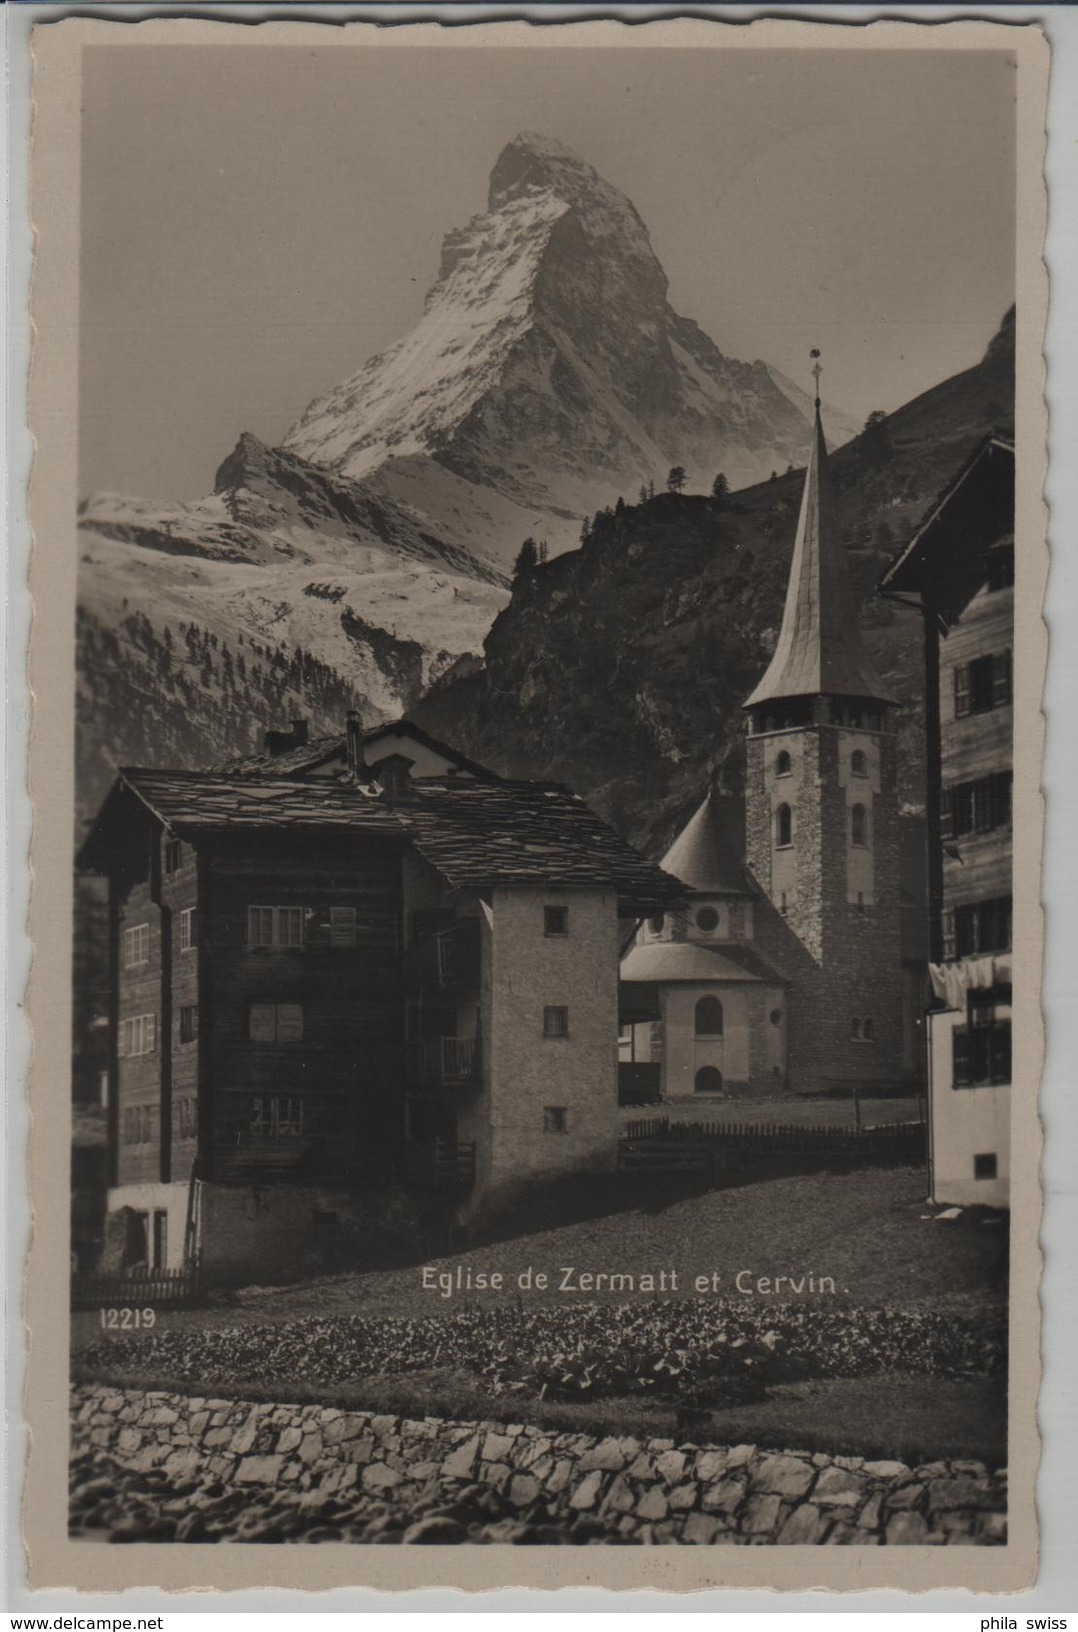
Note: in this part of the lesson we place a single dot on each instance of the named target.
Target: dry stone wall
(158, 1466)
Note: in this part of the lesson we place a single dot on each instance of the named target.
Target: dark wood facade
(259, 1007)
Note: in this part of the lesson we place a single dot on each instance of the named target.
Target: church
(783, 973)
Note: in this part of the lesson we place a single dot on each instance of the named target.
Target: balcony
(442, 1164)
(444, 1062)
(448, 959)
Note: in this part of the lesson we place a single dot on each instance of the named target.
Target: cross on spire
(817, 370)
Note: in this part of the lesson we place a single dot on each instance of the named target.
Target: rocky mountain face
(621, 667)
(338, 598)
(548, 366)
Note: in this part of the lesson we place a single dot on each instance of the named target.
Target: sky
(258, 221)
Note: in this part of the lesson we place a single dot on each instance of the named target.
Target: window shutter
(1002, 784)
(1000, 1051)
(151, 1033)
(289, 1023)
(1001, 679)
(947, 827)
(342, 926)
(982, 805)
(961, 690)
(948, 935)
(960, 1057)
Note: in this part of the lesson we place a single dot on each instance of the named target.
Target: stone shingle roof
(476, 834)
(705, 855)
(659, 962)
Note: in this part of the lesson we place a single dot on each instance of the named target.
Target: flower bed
(675, 1350)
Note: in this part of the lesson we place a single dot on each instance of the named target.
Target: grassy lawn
(871, 1233)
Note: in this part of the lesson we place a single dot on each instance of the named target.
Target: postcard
(537, 668)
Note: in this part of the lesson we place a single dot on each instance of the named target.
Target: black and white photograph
(543, 674)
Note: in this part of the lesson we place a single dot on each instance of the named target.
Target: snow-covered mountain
(549, 367)
(547, 375)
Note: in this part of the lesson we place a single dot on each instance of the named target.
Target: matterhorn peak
(547, 365)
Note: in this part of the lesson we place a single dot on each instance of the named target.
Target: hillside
(621, 667)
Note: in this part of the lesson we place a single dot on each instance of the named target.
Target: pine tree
(720, 488)
(676, 479)
(527, 560)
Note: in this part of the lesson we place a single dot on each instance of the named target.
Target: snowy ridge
(403, 401)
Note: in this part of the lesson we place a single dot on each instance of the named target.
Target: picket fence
(136, 1289)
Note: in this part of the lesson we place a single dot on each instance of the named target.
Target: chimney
(354, 732)
(299, 733)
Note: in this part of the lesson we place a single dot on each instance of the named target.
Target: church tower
(822, 826)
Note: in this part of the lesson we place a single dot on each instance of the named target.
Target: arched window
(783, 764)
(707, 919)
(784, 827)
(708, 1080)
(859, 762)
(868, 1031)
(855, 1029)
(656, 924)
(858, 825)
(708, 1022)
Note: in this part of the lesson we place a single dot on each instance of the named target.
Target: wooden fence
(656, 1144)
(134, 1290)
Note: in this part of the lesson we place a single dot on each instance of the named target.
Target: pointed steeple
(820, 651)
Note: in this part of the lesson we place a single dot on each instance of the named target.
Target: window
(985, 1166)
(983, 684)
(980, 926)
(136, 945)
(555, 1119)
(1001, 568)
(782, 904)
(185, 1117)
(277, 1116)
(784, 827)
(858, 763)
(708, 1080)
(707, 919)
(275, 926)
(657, 924)
(708, 1018)
(982, 1054)
(859, 826)
(977, 807)
(138, 1035)
(855, 1029)
(173, 855)
(775, 1017)
(868, 1031)
(555, 921)
(342, 926)
(555, 1022)
(783, 764)
(189, 1023)
(275, 1023)
(139, 1124)
(188, 929)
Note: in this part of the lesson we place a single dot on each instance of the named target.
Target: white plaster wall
(965, 1122)
(150, 1198)
(528, 1071)
(685, 1053)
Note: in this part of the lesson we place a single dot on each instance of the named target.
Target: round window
(776, 1017)
(707, 919)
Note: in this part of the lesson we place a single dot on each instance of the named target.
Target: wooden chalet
(348, 975)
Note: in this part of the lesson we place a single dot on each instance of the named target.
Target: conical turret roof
(704, 855)
(820, 651)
